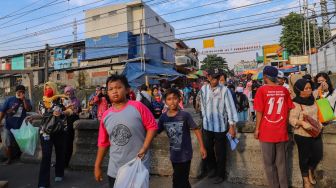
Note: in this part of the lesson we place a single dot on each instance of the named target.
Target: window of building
(58, 76)
(115, 35)
(95, 17)
(112, 13)
(171, 30)
(164, 25)
(162, 53)
(96, 38)
(157, 19)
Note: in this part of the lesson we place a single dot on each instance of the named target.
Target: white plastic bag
(132, 175)
(26, 137)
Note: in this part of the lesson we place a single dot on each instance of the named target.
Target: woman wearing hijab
(310, 149)
(73, 104)
(52, 132)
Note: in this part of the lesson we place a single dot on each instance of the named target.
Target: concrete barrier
(244, 165)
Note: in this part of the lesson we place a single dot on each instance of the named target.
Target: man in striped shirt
(219, 117)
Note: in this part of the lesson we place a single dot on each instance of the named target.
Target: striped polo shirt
(218, 108)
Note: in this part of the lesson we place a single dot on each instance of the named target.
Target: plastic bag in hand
(26, 137)
(132, 175)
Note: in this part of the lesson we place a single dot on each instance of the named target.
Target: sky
(23, 30)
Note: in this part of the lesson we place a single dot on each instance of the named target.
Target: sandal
(312, 177)
(306, 183)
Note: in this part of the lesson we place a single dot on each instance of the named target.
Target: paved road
(22, 175)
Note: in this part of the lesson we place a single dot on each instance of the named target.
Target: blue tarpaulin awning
(136, 76)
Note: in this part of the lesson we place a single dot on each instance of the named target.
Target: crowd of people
(128, 123)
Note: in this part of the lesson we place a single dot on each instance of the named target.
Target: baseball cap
(281, 74)
(20, 88)
(215, 72)
(270, 71)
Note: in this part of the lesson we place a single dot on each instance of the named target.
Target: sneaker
(58, 179)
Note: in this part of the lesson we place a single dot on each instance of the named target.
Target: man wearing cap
(14, 110)
(272, 104)
(219, 117)
(282, 79)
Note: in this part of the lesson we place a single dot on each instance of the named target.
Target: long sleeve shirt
(218, 108)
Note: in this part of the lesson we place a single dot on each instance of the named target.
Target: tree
(214, 61)
(291, 35)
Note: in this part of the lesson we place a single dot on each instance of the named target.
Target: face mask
(48, 92)
(240, 89)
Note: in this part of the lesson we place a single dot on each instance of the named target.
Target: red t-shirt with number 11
(274, 102)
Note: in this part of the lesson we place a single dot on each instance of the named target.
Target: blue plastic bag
(233, 141)
(26, 137)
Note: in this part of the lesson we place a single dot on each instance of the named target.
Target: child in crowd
(177, 124)
(127, 129)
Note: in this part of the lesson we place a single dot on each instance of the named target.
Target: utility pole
(303, 44)
(309, 46)
(325, 20)
(46, 63)
(305, 27)
(315, 27)
(74, 32)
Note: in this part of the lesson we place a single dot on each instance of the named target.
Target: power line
(52, 14)
(231, 19)
(239, 18)
(18, 10)
(33, 10)
(188, 18)
(222, 33)
(59, 18)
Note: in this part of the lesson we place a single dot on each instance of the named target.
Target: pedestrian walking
(177, 124)
(93, 104)
(272, 104)
(310, 148)
(52, 132)
(14, 110)
(73, 104)
(242, 104)
(219, 117)
(126, 130)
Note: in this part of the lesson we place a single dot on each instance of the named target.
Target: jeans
(181, 175)
(215, 144)
(242, 116)
(57, 140)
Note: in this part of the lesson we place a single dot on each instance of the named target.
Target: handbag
(325, 111)
(316, 129)
(52, 124)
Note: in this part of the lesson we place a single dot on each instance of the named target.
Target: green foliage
(291, 35)
(214, 61)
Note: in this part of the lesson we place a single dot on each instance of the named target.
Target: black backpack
(146, 102)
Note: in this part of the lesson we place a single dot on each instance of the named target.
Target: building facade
(114, 35)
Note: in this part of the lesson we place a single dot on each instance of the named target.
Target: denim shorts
(7, 137)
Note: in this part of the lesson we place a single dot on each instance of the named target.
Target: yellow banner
(209, 43)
